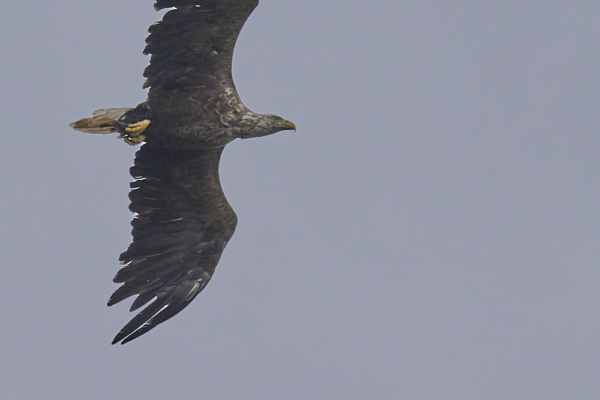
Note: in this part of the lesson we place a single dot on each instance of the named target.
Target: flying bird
(183, 220)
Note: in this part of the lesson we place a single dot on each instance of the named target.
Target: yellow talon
(134, 132)
(137, 128)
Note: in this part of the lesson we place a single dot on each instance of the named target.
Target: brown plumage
(183, 220)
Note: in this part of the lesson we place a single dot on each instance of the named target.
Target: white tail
(101, 121)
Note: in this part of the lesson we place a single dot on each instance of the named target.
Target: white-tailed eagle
(183, 220)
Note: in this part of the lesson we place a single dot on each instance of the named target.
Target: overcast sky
(431, 231)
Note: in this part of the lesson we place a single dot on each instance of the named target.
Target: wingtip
(119, 338)
(127, 339)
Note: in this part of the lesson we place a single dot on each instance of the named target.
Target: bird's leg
(134, 132)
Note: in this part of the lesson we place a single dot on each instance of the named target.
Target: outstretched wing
(189, 76)
(193, 45)
(182, 225)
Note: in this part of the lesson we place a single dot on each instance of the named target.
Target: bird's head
(256, 125)
(283, 124)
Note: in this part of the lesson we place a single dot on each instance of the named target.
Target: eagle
(182, 219)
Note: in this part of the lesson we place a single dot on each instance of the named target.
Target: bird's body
(193, 110)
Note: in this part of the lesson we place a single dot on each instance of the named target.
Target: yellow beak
(287, 125)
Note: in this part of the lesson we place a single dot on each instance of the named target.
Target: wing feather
(182, 225)
(192, 46)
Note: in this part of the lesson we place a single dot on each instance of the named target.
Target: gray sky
(430, 232)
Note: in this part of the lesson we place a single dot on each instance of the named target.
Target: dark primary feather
(182, 225)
